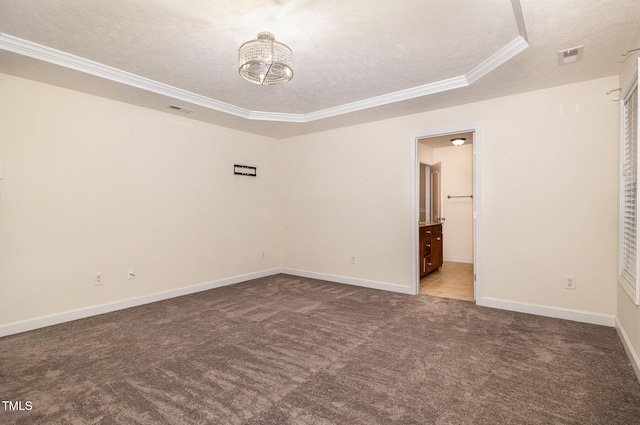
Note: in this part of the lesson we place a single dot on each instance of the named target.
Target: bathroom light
(265, 61)
(458, 141)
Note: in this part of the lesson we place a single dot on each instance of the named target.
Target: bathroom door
(436, 197)
(425, 192)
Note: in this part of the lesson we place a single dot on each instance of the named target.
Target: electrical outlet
(263, 255)
(98, 279)
(353, 259)
(130, 274)
(569, 282)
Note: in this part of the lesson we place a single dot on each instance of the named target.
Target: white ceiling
(355, 60)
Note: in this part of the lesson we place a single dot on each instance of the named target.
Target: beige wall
(347, 194)
(457, 180)
(92, 185)
(546, 212)
(425, 153)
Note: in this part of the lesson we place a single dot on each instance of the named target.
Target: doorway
(456, 208)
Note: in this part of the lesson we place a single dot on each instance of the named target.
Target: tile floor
(452, 280)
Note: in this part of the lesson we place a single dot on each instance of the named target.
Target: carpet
(290, 350)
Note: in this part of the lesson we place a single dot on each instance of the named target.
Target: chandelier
(265, 61)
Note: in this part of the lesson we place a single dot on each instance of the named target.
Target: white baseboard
(542, 310)
(628, 347)
(458, 260)
(392, 287)
(54, 319)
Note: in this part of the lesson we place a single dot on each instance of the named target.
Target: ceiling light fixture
(265, 61)
(458, 141)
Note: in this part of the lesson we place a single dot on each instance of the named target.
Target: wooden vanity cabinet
(430, 239)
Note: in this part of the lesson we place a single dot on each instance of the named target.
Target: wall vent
(181, 109)
(571, 55)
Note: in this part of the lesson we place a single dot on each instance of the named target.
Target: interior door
(425, 193)
(436, 197)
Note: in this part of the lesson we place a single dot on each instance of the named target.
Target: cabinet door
(421, 262)
(436, 251)
(428, 259)
(427, 255)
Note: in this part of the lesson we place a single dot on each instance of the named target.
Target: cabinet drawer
(426, 247)
(430, 248)
(431, 230)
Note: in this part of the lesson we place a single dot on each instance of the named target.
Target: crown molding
(501, 56)
(77, 63)
(277, 116)
(372, 102)
(517, 12)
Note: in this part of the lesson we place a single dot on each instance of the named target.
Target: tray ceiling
(355, 61)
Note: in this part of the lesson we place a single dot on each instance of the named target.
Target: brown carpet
(289, 350)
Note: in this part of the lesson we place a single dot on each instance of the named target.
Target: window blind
(628, 269)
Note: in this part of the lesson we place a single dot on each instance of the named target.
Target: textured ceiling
(355, 60)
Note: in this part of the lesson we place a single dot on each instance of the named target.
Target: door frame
(477, 202)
